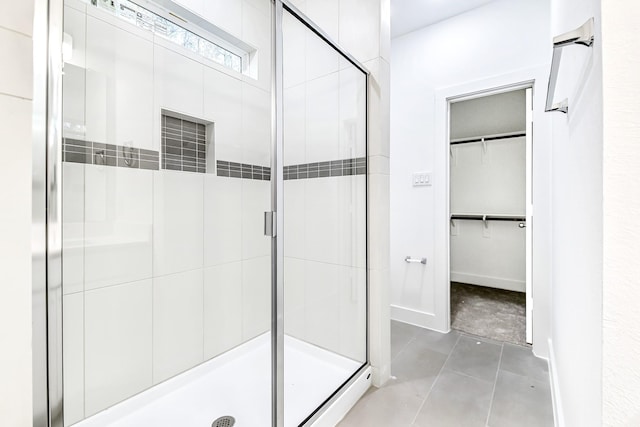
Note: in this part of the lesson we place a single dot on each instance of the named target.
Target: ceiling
(410, 15)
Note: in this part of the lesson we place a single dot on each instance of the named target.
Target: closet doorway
(490, 244)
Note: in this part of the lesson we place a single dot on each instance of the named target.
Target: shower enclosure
(211, 217)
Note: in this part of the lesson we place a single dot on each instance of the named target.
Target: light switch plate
(420, 179)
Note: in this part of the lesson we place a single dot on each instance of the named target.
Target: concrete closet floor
(487, 312)
(456, 379)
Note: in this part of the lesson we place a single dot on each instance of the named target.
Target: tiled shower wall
(163, 269)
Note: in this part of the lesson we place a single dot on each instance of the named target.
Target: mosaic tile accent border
(344, 167)
(97, 153)
(184, 146)
(243, 170)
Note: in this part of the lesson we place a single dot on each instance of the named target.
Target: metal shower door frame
(47, 378)
(279, 8)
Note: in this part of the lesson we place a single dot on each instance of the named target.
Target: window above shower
(143, 17)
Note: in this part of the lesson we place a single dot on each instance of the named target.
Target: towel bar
(581, 36)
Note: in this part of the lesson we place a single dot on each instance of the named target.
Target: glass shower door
(166, 172)
(324, 190)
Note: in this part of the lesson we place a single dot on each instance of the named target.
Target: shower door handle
(270, 224)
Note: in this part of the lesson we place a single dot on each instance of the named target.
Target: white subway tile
(323, 118)
(256, 296)
(223, 106)
(73, 102)
(385, 30)
(379, 325)
(353, 314)
(294, 35)
(177, 323)
(178, 83)
(322, 220)
(294, 300)
(353, 113)
(256, 126)
(322, 304)
(222, 308)
(72, 227)
(120, 75)
(379, 238)
(224, 14)
(18, 17)
(295, 218)
(222, 220)
(118, 225)
(322, 59)
(325, 14)
(16, 73)
(256, 199)
(256, 31)
(75, 25)
(74, 78)
(379, 165)
(360, 28)
(73, 360)
(379, 107)
(295, 106)
(301, 5)
(260, 5)
(177, 222)
(352, 221)
(118, 335)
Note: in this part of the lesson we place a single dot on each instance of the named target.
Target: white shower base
(237, 383)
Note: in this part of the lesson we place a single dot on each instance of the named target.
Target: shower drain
(226, 421)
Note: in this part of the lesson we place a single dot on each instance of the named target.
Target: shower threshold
(236, 383)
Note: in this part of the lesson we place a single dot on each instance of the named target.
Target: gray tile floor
(456, 379)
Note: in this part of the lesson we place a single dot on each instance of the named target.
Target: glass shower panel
(166, 175)
(325, 182)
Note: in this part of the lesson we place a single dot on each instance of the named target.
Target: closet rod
(490, 217)
(488, 138)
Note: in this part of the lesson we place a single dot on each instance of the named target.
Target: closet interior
(488, 242)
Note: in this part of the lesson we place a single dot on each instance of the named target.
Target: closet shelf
(485, 217)
(582, 36)
(487, 138)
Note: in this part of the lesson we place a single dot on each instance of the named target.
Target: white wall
(494, 43)
(16, 94)
(577, 222)
(621, 317)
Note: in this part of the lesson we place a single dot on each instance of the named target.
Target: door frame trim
(461, 97)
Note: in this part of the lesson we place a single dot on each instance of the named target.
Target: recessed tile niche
(184, 142)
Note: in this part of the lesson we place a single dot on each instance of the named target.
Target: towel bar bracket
(582, 36)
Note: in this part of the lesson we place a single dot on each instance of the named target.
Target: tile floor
(456, 379)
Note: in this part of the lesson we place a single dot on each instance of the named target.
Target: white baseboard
(336, 412)
(488, 281)
(415, 317)
(558, 414)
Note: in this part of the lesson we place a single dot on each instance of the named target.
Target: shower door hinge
(270, 224)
